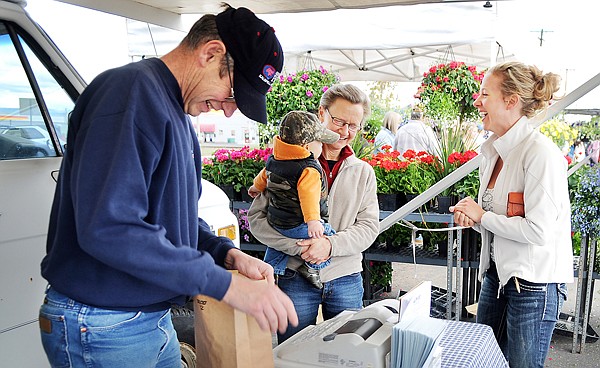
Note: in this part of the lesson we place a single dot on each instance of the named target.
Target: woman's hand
(315, 250)
(467, 212)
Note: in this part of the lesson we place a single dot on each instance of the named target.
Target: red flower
(409, 154)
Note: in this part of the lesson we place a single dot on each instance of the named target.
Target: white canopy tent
(393, 40)
(393, 43)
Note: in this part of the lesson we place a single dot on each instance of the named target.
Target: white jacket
(536, 247)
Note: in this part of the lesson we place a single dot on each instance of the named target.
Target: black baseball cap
(257, 55)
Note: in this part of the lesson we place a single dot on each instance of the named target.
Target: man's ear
(212, 51)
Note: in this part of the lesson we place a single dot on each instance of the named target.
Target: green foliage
(381, 273)
(468, 186)
(298, 91)
(373, 123)
(589, 131)
(417, 177)
(396, 236)
(585, 206)
(449, 90)
(361, 146)
(456, 147)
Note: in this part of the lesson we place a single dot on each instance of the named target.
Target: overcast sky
(95, 41)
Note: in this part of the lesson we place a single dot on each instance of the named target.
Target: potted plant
(418, 172)
(296, 91)
(467, 186)
(380, 274)
(388, 172)
(585, 205)
(448, 91)
(456, 146)
(234, 170)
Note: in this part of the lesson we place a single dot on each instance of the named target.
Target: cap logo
(268, 74)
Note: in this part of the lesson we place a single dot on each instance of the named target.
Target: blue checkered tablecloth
(470, 345)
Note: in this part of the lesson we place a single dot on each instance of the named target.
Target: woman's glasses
(340, 123)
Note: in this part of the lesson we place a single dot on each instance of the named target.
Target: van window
(23, 132)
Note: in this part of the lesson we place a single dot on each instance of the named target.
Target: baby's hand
(315, 229)
(253, 192)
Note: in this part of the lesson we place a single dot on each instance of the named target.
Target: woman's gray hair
(534, 88)
(350, 93)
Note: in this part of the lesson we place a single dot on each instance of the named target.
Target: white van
(38, 88)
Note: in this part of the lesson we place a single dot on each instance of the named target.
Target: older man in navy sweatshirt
(125, 241)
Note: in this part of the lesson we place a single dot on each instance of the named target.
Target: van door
(31, 100)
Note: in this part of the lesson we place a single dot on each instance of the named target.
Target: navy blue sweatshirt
(124, 230)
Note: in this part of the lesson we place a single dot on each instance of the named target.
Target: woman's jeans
(522, 319)
(78, 335)
(343, 293)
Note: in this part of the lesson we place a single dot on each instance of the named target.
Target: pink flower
(304, 77)
(309, 93)
(475, 96)
(290, 78)
(325, 88)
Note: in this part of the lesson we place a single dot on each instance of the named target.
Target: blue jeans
(522, 321)
(343, 293)
(79, 335)
(278, 259)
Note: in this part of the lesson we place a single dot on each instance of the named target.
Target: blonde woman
(386, 135)
(523, 214)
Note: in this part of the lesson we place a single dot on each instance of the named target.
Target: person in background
(297, 188)
(353, 213)
(124, 240)
(416, 135)
(523, 215)
(386, 135)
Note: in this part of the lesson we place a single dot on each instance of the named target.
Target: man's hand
(315, 229)
(249, 266)
(264, 301)
(315, 250)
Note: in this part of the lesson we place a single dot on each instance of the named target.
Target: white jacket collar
(512, 138)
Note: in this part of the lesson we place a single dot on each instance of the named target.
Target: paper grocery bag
(228, 338)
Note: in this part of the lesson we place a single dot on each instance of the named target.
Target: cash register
(351, 339)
